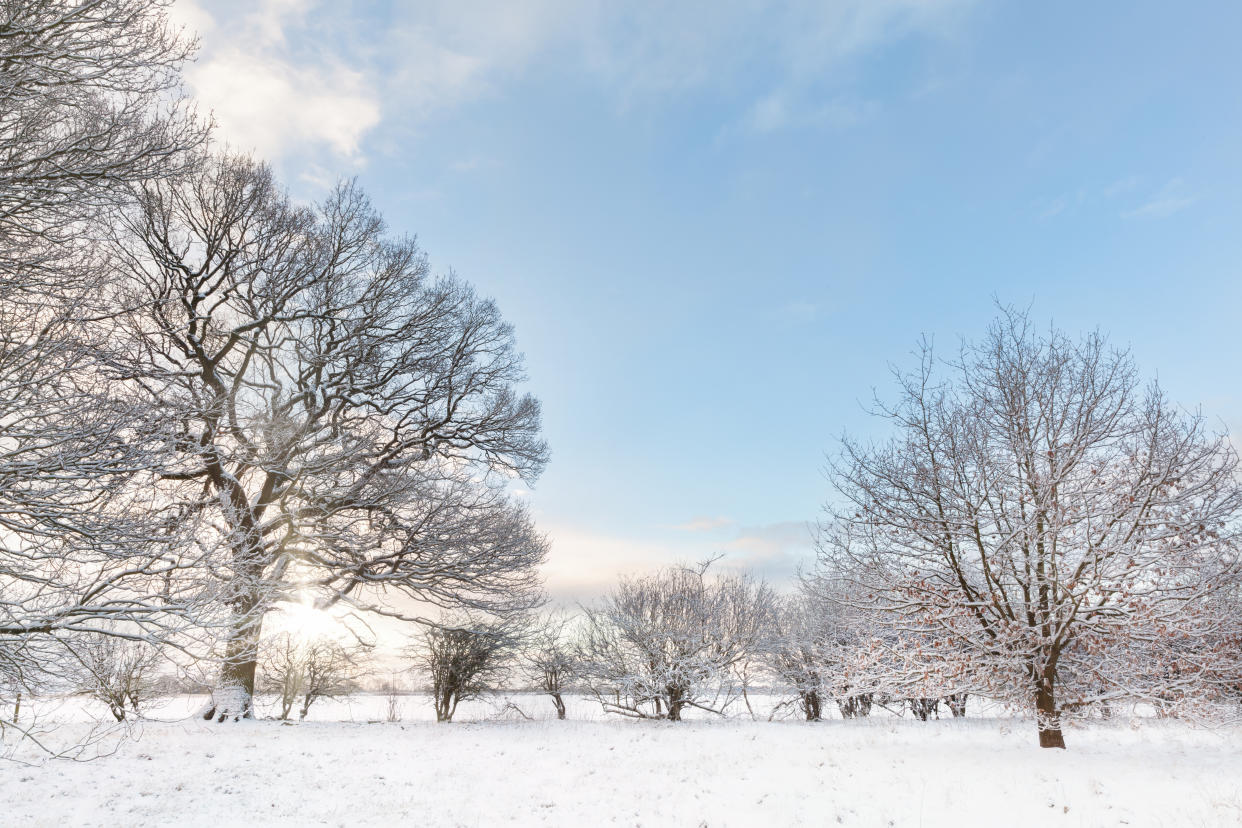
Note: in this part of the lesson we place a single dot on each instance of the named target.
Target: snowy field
(491, 769)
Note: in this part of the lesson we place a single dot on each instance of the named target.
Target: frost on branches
(1045, 528)
(466, 657)
(87, 107)
(344, 423)
(549, 660)
(302, 668)
(664, 642)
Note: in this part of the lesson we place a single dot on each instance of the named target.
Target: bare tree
(1042, 520)
(465, 658)
(664, 642)
(281, 671)
(550, 659)
(298, 669)
(331, 671)
(799, 652)
(344, 424)
(116, 671)
(87, 107)
(392, 700)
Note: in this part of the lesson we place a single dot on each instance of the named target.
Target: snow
(495, 770)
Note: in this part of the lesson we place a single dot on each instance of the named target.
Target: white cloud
(1054, 207)
(674, 46)
(189, 15)
(796, 313)
(1169, 199)
(274, 107)
(269, 97)
(769, 113)
(1063, 202)
(474, 163)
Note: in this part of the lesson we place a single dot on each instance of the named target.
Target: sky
(716, 225)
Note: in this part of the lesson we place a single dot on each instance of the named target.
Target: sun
(308, 622)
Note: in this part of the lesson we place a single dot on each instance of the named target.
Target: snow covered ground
(494, 769)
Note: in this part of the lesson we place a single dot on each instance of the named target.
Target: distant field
(491, 770)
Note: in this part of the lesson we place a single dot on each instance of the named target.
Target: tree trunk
(812, 706)
(444, 705)
(957, 704)
(855, 707)
(560, 705)
(676, 700)
(1046, 714)
(233, 697)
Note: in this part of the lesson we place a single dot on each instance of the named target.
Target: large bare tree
(1043, 519)
(343, 421)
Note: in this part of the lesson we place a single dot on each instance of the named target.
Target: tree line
(704, 639)
(217, 401)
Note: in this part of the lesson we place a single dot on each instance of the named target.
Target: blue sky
(716, 224)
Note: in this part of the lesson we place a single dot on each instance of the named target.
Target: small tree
(550, 660)
(116, 671)
(798, 653)
(308, 670)
(464, 659)
(392, 701)
(668, 641)
(281, 671)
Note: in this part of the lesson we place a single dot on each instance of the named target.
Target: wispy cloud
(782, 110)
(1169, 199)
(1061, 203)
(310, 77)
(704, 524)
(797, 312)
(775, 551)
(1055, 207)
(473, 164)
(1123, 186)
(1165, 201)
(584, 564)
